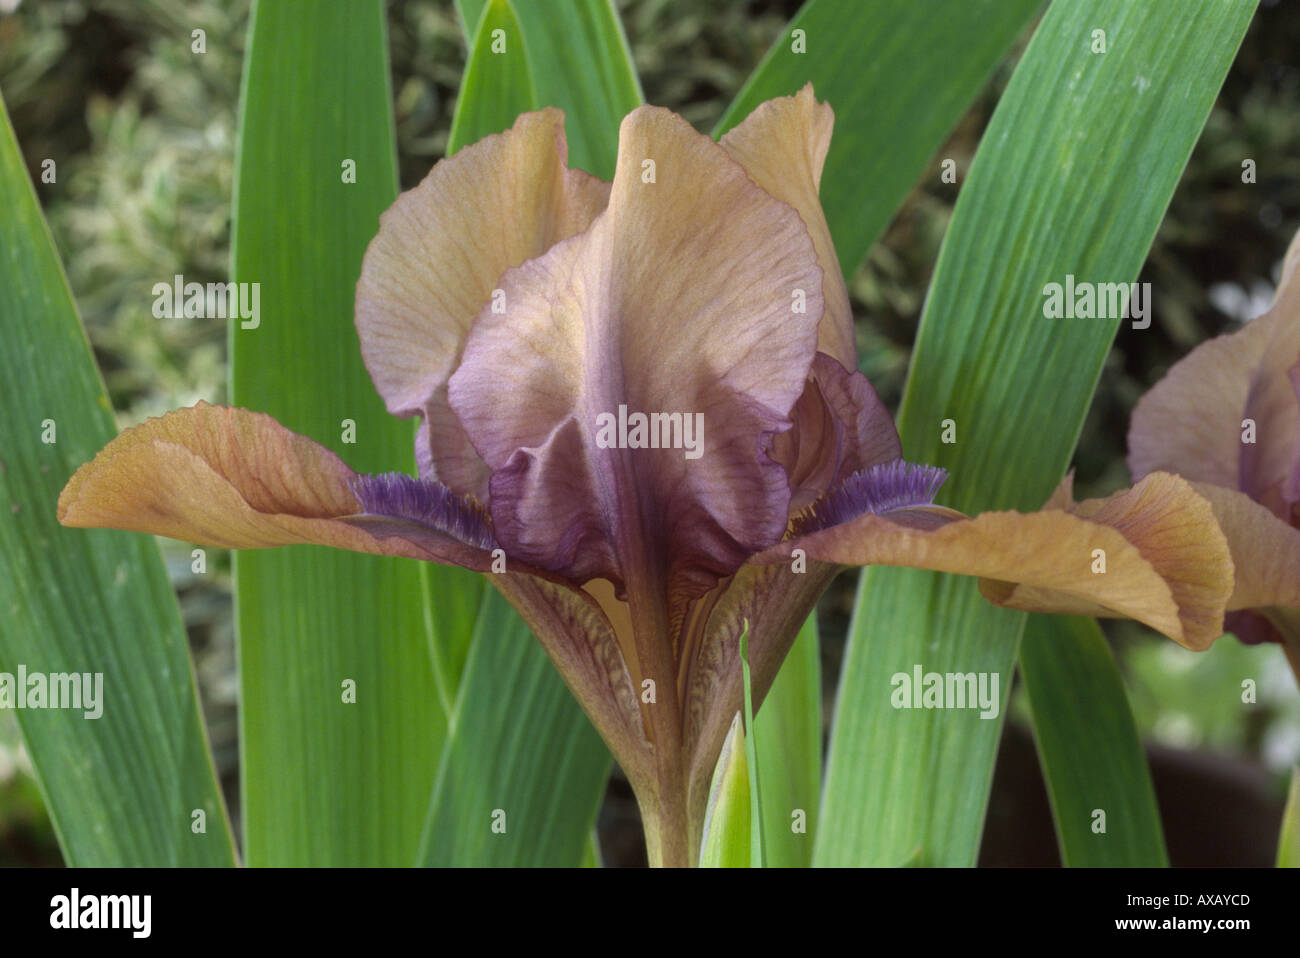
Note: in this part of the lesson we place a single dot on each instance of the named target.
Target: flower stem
(671, 842)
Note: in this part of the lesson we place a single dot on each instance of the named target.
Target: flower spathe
(510, 302)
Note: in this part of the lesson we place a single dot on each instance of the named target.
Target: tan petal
(438, 254)
(782, 146)
(1167, 564)
(225, 477)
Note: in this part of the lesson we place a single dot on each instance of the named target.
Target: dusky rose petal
(782, 145)
(435, 262)
(677, 300)
(219, 476)
(840, 427)
(1192, 421)
(775, 601)
(1265, 550)
(581, 643)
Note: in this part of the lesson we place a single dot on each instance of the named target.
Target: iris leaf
(523, 773)
(729, 827)
(1288, 846)
(1072, 177)
(756, 857)
(580, 62)
(123, 788)
(899, 75)
(497, 84)
(789, 733)
(1089, 748)
(340, 719)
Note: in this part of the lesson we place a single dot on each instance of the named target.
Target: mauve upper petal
(782, 145)
(840, 427)
(679, 299)
(437, 256)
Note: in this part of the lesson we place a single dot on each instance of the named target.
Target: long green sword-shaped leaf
(899, 74)
(340, 723)
(789, 749)
(1097, 777)
(498, 84)
(1072, 177)
(523, 772)
(579, 60)
(134, 785)
(1288, 844)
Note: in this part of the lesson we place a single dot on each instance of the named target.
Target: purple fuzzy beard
(877, 490)
(392, 495)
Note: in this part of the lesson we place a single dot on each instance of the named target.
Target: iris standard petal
(1265, 550)
(436, 259)
(782, 145)
(1165, 561)
(1194, 421)
(677, 304)
(218, 476)
(1190, 421)
(840, 427)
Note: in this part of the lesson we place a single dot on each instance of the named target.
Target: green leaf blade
(121, 789)
(1089, 747)
(899, 74)
(579, 60)
(497, 84)
(1075, 171)
(326, 781)
(523, 773)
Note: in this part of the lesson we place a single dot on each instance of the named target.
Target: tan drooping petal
(1265, 550)
(1166, 562)
(436, 259)
(782, 145)
(218, 476)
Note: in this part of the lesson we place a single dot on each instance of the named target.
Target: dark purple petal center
(878, 489)
(393, 495)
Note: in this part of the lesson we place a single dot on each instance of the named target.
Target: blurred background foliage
(142, 131)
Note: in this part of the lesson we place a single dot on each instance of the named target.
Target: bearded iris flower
(514, 305)
(1227, 417)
